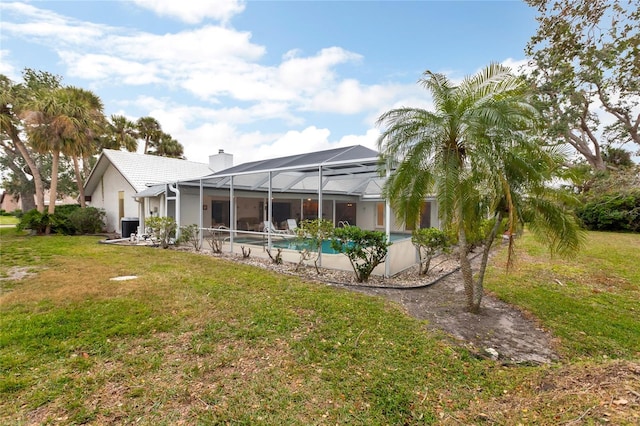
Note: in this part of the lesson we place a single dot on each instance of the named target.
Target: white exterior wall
(105, 197)
(188, 214)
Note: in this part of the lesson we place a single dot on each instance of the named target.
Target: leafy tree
(365, 249)
(617, 157)
(16, 105)
(428, 242)
(477, 153)
(585, 54)
(19, 181)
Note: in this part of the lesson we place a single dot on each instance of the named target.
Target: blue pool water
(326, 245)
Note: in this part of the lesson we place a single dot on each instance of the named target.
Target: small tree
(163, 229)
(190, 235)
(365, 249)
(428, 242)
(311, 234)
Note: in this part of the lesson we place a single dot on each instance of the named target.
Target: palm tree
(81, 141)
(477, 153)
(66, 121)
(121, 133)
(167, 146)
(150, 131)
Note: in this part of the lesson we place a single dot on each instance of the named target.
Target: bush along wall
(67, 220)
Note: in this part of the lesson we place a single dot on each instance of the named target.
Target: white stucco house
(343, 185)
(119, 176)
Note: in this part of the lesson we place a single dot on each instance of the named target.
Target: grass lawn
(200, 340)
(9, 220)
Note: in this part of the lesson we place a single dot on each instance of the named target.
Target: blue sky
(260, 79)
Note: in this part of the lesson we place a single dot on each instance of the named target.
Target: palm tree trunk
(479, 282)
(54, 186)
(35, 172)
(79, 181)
(467, 274)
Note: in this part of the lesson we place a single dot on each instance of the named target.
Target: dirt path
(500, 326)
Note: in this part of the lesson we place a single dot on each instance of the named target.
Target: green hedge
(612, 212)
(67, 220)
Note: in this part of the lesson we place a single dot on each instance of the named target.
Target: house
(342, 185)
(10, 203)
(118, 176)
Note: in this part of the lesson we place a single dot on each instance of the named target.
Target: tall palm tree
(81, 141)
(476, 152)
(121, 133)
(150, 131)
(167, 146)
(66, 121)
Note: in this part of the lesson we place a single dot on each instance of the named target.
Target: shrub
(68, 219)
(190, 235)
(89, 220)
(310, 235)
(163, 229)
(428, 242)
(35, 221)
(612, 212)
(365, 249)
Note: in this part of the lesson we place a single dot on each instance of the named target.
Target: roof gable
(142, 170)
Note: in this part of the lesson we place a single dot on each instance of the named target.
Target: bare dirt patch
(16, 273)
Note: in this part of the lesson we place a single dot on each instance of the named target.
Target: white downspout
(232, 216)
(174, 188)
(320, 209)
(201, 218)
(387, 228)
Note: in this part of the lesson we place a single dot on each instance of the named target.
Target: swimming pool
(298, 245)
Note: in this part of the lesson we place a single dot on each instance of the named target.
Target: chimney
(220, 161)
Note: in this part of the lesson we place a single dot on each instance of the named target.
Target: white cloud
(105, 67)
(351, 97)
(518, 66)
(206, 45)
(26, 21)
(6, 67)
(194, 11)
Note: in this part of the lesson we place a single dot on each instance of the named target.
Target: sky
(260, 79)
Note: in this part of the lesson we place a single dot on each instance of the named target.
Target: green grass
(200, 340)
(590, 300)
(9, 220)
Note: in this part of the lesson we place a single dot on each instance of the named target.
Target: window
(120, 205)
(425, 215)
(346, 213)
(380, 214)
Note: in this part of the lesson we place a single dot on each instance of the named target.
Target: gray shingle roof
(352, 170)
(142, 171)
(311, 159)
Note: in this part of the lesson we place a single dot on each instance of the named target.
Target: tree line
(51, 133)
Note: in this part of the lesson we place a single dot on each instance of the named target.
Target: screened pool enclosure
(342, 185)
